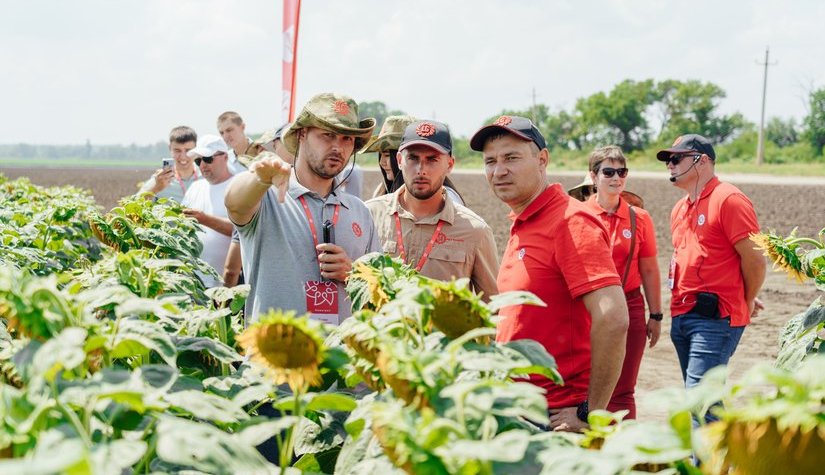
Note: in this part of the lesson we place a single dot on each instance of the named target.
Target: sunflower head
(781, 252)
(456, 309)
(290, 348)
(370, 279)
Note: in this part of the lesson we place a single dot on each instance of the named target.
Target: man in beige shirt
(441, 239)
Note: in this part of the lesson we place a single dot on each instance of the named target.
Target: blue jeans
(701, 344)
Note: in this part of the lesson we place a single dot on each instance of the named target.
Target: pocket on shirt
(448, 255)
(390, 247)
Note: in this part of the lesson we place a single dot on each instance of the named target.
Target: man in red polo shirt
(715, 273)
(560, 252)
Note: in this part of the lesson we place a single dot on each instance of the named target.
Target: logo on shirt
(441, 238)
(626, 233)
(521, 253)
(701, 219)
(356, 229)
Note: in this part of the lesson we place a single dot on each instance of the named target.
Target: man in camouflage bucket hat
(299, 238)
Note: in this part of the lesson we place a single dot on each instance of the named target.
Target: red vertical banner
(292, 13)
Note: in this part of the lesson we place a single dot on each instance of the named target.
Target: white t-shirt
(209, 199)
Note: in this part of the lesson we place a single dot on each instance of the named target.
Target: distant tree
(618, 117)
(814, 122)
(782, 132)
(378, 110)
(691, 107)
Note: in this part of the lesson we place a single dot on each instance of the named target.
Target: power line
(760, 146)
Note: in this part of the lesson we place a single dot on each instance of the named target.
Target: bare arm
(221, 225)
(651, 281)
(232, 266)
(608, 334)
(753, 268)
(243, 198)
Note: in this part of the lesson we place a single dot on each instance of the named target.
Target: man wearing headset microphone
(715, 273)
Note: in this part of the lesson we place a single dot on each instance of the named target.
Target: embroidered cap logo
(425, 129)
(341, 107)
(677, 141)
(503, 120)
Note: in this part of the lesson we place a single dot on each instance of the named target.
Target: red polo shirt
(618, 228)
(704, 234)
(559, 251)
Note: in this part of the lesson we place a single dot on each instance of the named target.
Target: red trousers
(623, 396)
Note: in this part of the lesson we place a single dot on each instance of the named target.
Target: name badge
(322, 300)
(671, 274)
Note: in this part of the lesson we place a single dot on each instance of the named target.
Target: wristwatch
(582, 410)
(656, 316)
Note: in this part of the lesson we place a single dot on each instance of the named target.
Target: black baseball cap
(430, 133)
(521, 127)
(688, 143)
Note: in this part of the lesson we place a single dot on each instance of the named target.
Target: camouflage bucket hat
(334, 112)
(391, 133)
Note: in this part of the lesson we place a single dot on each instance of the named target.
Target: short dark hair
(603, 154)
(230, 115)
(182, 134)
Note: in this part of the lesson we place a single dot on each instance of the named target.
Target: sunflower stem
(286, 452)
(804, 240)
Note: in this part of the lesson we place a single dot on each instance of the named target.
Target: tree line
(639, 116)
(642, 115)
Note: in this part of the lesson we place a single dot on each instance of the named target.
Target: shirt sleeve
(485, 264)
(647, 234)
(738, 218)
(147, 185)
(584, 256)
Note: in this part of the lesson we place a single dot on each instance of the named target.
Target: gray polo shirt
(279, 254)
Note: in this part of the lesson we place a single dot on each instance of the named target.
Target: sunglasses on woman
(609, 172)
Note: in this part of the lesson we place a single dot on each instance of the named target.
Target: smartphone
(329, 232)
(168, 163)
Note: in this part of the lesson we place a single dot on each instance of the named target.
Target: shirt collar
(297, 190)
(623, 211)
(447, 213)
(550, 193)
(706, 191)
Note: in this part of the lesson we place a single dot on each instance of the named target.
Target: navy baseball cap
(688, 143)
(430, 133)
(521, 127)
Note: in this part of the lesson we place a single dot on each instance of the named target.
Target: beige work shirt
(464, 247)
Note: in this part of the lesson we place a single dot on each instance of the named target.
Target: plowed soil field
(782, 206)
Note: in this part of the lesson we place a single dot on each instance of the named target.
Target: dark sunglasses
(207, 160)
(609, 172)
(675, 159)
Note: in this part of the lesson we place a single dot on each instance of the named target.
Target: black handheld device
(329, 232)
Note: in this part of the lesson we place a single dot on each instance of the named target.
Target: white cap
(208, 145)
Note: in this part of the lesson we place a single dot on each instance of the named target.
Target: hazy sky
(127, 71)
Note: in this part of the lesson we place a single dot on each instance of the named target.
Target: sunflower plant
(802, 258)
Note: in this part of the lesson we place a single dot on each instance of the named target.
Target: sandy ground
(782, 203)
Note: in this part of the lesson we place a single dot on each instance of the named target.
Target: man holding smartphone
(178, 173)
(716, 271)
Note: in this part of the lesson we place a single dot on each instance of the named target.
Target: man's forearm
(608, 335)
(221, 225)
(243, 198)
(753, 267)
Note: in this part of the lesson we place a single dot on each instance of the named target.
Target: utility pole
(760, 147)
(533, 109)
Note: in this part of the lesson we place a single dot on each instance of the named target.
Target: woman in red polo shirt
(634, 253)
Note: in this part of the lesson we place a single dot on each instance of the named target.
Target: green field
(78, 163)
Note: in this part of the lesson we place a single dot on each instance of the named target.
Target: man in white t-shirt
(204, 202)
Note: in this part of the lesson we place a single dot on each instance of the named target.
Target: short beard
(318, 169)
(424, 195)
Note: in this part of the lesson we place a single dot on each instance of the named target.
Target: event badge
(322, 300)
(671, 274)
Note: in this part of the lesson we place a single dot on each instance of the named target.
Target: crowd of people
(284, 214)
